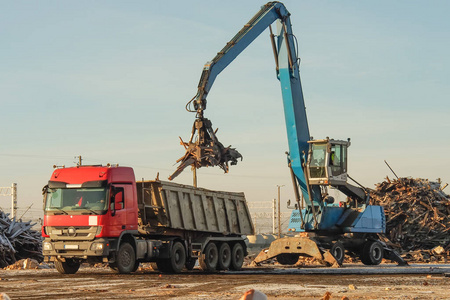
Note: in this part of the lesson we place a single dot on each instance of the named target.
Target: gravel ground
(351, 281)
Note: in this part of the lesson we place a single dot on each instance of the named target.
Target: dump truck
(102, 214)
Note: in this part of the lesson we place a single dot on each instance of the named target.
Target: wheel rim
(376, 253)
(178, 258)
(338, 253)
(225, 255)
(125, 258)
(212, 254)
(238, 256)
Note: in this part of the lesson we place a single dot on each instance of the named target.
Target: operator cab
(327, 162)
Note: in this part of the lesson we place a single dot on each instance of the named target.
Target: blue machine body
(295, 221)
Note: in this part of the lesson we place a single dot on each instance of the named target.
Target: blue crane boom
(314, 165)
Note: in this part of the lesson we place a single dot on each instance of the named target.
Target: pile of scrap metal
(417, 216)
(18, 241)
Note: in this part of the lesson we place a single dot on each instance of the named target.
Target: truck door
(123, 209)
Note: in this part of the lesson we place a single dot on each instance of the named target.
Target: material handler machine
(315, 165)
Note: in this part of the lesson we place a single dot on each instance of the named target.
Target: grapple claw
(205, 150)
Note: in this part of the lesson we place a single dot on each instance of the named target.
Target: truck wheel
(287, 259)
(190, 263)
(237, 257)
(209, 258)
(372, 253)
(224, 256)
(338, 251)
(177, 258)
(69, 266)
(126, 259)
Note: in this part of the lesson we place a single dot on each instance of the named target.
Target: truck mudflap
(302, 246)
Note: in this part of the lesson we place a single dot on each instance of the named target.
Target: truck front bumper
(74, 249)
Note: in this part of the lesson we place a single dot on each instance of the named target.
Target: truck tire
(338, 251)
(126, 259)
(372, 253)
(176, 262)
(287, 259)
(237, 257)
(224, 256)
(209, 258)
(69, 266)
(177, 258)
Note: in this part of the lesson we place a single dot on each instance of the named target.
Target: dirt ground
(353, 282)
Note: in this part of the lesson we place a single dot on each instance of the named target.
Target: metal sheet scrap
(205, 150)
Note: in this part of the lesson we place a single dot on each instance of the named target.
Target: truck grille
(71, 233)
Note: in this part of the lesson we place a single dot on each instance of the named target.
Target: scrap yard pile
(417, 217)
(18, 241)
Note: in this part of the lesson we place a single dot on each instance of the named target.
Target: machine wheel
(126, 259)
(224, 256)
(287, 258)
(190, 263)
(209, 258)
(338, 251)
(69, 266)
(372, 253)
(237, 257)
(177, 258)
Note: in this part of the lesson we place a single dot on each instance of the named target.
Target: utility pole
(79, 160)
(11, 191)
(13, 200)
(274, 210)
(279, 208)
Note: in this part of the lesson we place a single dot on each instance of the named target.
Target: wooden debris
(24, 264)
(18, 241)
(417, 217)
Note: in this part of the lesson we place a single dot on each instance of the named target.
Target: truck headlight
(47, 246)
(97, 246)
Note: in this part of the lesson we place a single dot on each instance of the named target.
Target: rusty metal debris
(417, 217)
(288, 249)
(18, 241)
(205, 150)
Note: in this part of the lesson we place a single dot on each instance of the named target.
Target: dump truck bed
(167, 205)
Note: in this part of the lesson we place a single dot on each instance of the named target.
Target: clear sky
(109, 80)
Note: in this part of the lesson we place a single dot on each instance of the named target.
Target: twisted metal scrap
(206, 150)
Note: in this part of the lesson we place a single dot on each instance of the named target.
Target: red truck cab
(87, 209)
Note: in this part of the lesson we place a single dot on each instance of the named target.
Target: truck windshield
(76, 201)
(317, 161)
